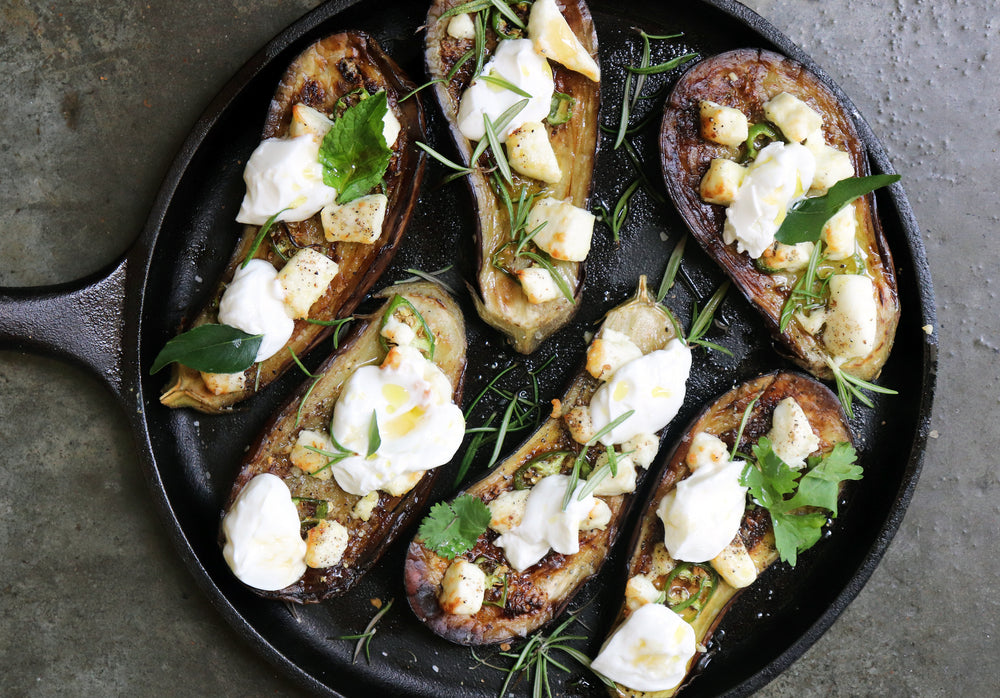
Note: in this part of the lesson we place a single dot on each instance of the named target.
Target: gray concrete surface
(95, 99)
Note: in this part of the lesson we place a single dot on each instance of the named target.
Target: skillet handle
(81, 321)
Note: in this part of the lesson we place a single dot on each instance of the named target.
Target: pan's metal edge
(140, 256)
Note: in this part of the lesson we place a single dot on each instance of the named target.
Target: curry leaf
(210, 348)
(354, 153)
(805, 220)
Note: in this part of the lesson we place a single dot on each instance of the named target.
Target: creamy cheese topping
(418, 424)
(852, 317)
(284, 173)
(545, 525)
(791, 435)
(780, 175)
(255, 303)
(264, 548)
(653, 385)
(650, 651)
(515, 61)
(702, 515)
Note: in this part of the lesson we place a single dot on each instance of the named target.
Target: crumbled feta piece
(784, 257)
(642, 448)
(398, 332)
(661, 561)
(796, 119)
(359, 220)
(554, 39)
(538, 284)
(401, 484)
(622, 483)
(307, 460)
(530, 153)
(222, 383)
(721, 181)
(840, 234)
(567, 231)
(735, 565)
(832, 165)
(609, 351)
(308, 121)
(639, 591)
(579, 424)
(326, 543)
(305, 279)
(507, 510)
(791, 435)
(461, 26)
(364, 507)
(462, 588)
(706, 450)
(852, 318)
(598, 518)
(723, 125)
(813, 322)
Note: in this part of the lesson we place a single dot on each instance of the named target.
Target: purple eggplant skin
(498, 297)
(318, 77)
(745, 79)
(722, 419)
(541, 592)
(312, 407)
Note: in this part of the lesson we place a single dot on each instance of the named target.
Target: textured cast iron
(115, 322)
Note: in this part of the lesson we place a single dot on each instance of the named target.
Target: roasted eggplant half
(519, 574)
(674, 597)
(735, 129)
(288, 512)
(528, 286)
(328, 78)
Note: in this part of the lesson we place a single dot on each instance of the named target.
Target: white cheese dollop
(419, 426)
(779, 176)
(264, 548)
(791, 435)
(703, 513)
(852, 317)
(255, 303)
(650, 651)
(545, 525)
(515, 61)
(284, 173)
(653, 385)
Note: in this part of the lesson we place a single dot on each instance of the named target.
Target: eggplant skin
(368, 540)
(498, 298)
(746, 79)
(542, 591)
(722, 419)
(318, 77)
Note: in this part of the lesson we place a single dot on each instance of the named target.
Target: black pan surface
(190, 459)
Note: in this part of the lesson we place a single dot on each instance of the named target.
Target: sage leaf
(210, 348)
(805, 220)
(354, 154)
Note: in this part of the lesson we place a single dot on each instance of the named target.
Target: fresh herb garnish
(616, 219)
(210, 348)
(805, 220)
(364, 638)
(581, 457)
(849, 387)
(374, 438)
(316, 379)
(399, 302)
(453, 529)
(791, 497)
(807, 294)
(261, 234)
(701, 320)
(670, 273)
(354, 153)
(338, 326)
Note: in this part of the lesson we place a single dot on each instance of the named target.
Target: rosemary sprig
(661, 67)
(305, 398)
(581, 457)
(849, 388)
(743, 423)
(261, 234)
(364, 638)
(432, 276)
(337, 324)
(616, 219)
(805, 292)
(670, 273)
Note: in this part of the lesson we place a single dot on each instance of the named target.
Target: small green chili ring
(397, 302)
(537, 467)
(502, 27)
(755, 132)
(560, 109)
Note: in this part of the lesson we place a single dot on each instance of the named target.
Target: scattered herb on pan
(364, 638)
(849, 387)
(701, 320)
(452, 529)
(338, 326)
(210, 348)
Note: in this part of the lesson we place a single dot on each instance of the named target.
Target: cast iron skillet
(114, 323)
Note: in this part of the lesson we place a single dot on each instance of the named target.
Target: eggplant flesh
(746, 79)
(722, 419)
(541, 592)
(319, 77)
(498, 298)
(312, 407)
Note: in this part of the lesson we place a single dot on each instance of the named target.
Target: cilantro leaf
(797, 523)
(452, 529)
(354, 154)
(805, 221)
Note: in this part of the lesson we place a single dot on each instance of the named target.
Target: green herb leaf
(797, 526)
(805, 220)
(354, 153)
(452, 529)
(210, 348)
(374, 438)
(261, 234)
